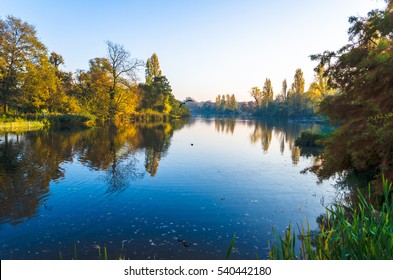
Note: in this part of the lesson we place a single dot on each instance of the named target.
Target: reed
(359, 232)
(231, 247)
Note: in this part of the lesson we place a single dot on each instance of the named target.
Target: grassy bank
(359, 232)
(21, 125)
(27, 122)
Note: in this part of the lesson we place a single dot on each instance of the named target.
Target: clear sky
(205, 47)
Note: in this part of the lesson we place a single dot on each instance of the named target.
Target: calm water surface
(165, 191)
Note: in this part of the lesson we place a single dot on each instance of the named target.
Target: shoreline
(18, 126)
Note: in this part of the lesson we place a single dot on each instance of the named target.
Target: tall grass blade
(105, 254)
(231, 246)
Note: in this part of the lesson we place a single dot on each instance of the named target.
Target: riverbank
(34, 122)
(17, 126)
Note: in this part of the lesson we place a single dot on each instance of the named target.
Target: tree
(227, 102)
(284, 89)
(56, 60)
(123, 69)
(218, 102)
(161, 90)
(362, 73)
(223, 104)
(152, 68)
(92, 88)
(233, 103)
(19, 49)
(123, 74)
(282, 97)
(297, 101)
(40, 87)
(298, 82)
(267, 93)
(258, 96)
(319, 88)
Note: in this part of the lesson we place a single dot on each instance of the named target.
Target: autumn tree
(123, 74)
(284, 90)
(223, 103)
(218, 102)
(56, 60)
(267, 93)
(257, 94)
(20, 50)
(319, 88)
(298, 82)
(39, 89)
(297, 101)
(282, 96)
(233, 103)
(91, 88)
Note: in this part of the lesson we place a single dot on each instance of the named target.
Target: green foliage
(66, 119)
(359, 232)
(20, 49)
(225, 104)
(309, 139)
(293, 103)
(31, 82)
(267, 93)
(152, 68)
(298, 82)
(257, 94)
(362, 73)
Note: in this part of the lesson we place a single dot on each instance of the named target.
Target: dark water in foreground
(141, 190)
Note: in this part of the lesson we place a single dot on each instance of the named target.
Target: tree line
(31, 80)
(294, 102)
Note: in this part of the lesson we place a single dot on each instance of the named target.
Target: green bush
(309, 139)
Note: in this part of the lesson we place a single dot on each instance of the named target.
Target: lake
(177, 190)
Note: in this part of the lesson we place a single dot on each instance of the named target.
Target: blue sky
(205, 48)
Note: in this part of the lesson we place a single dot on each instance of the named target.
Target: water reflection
(109, 187)
(263, 133)
(26, 169)
(30, 161)
(226, 125)
(285, 134)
